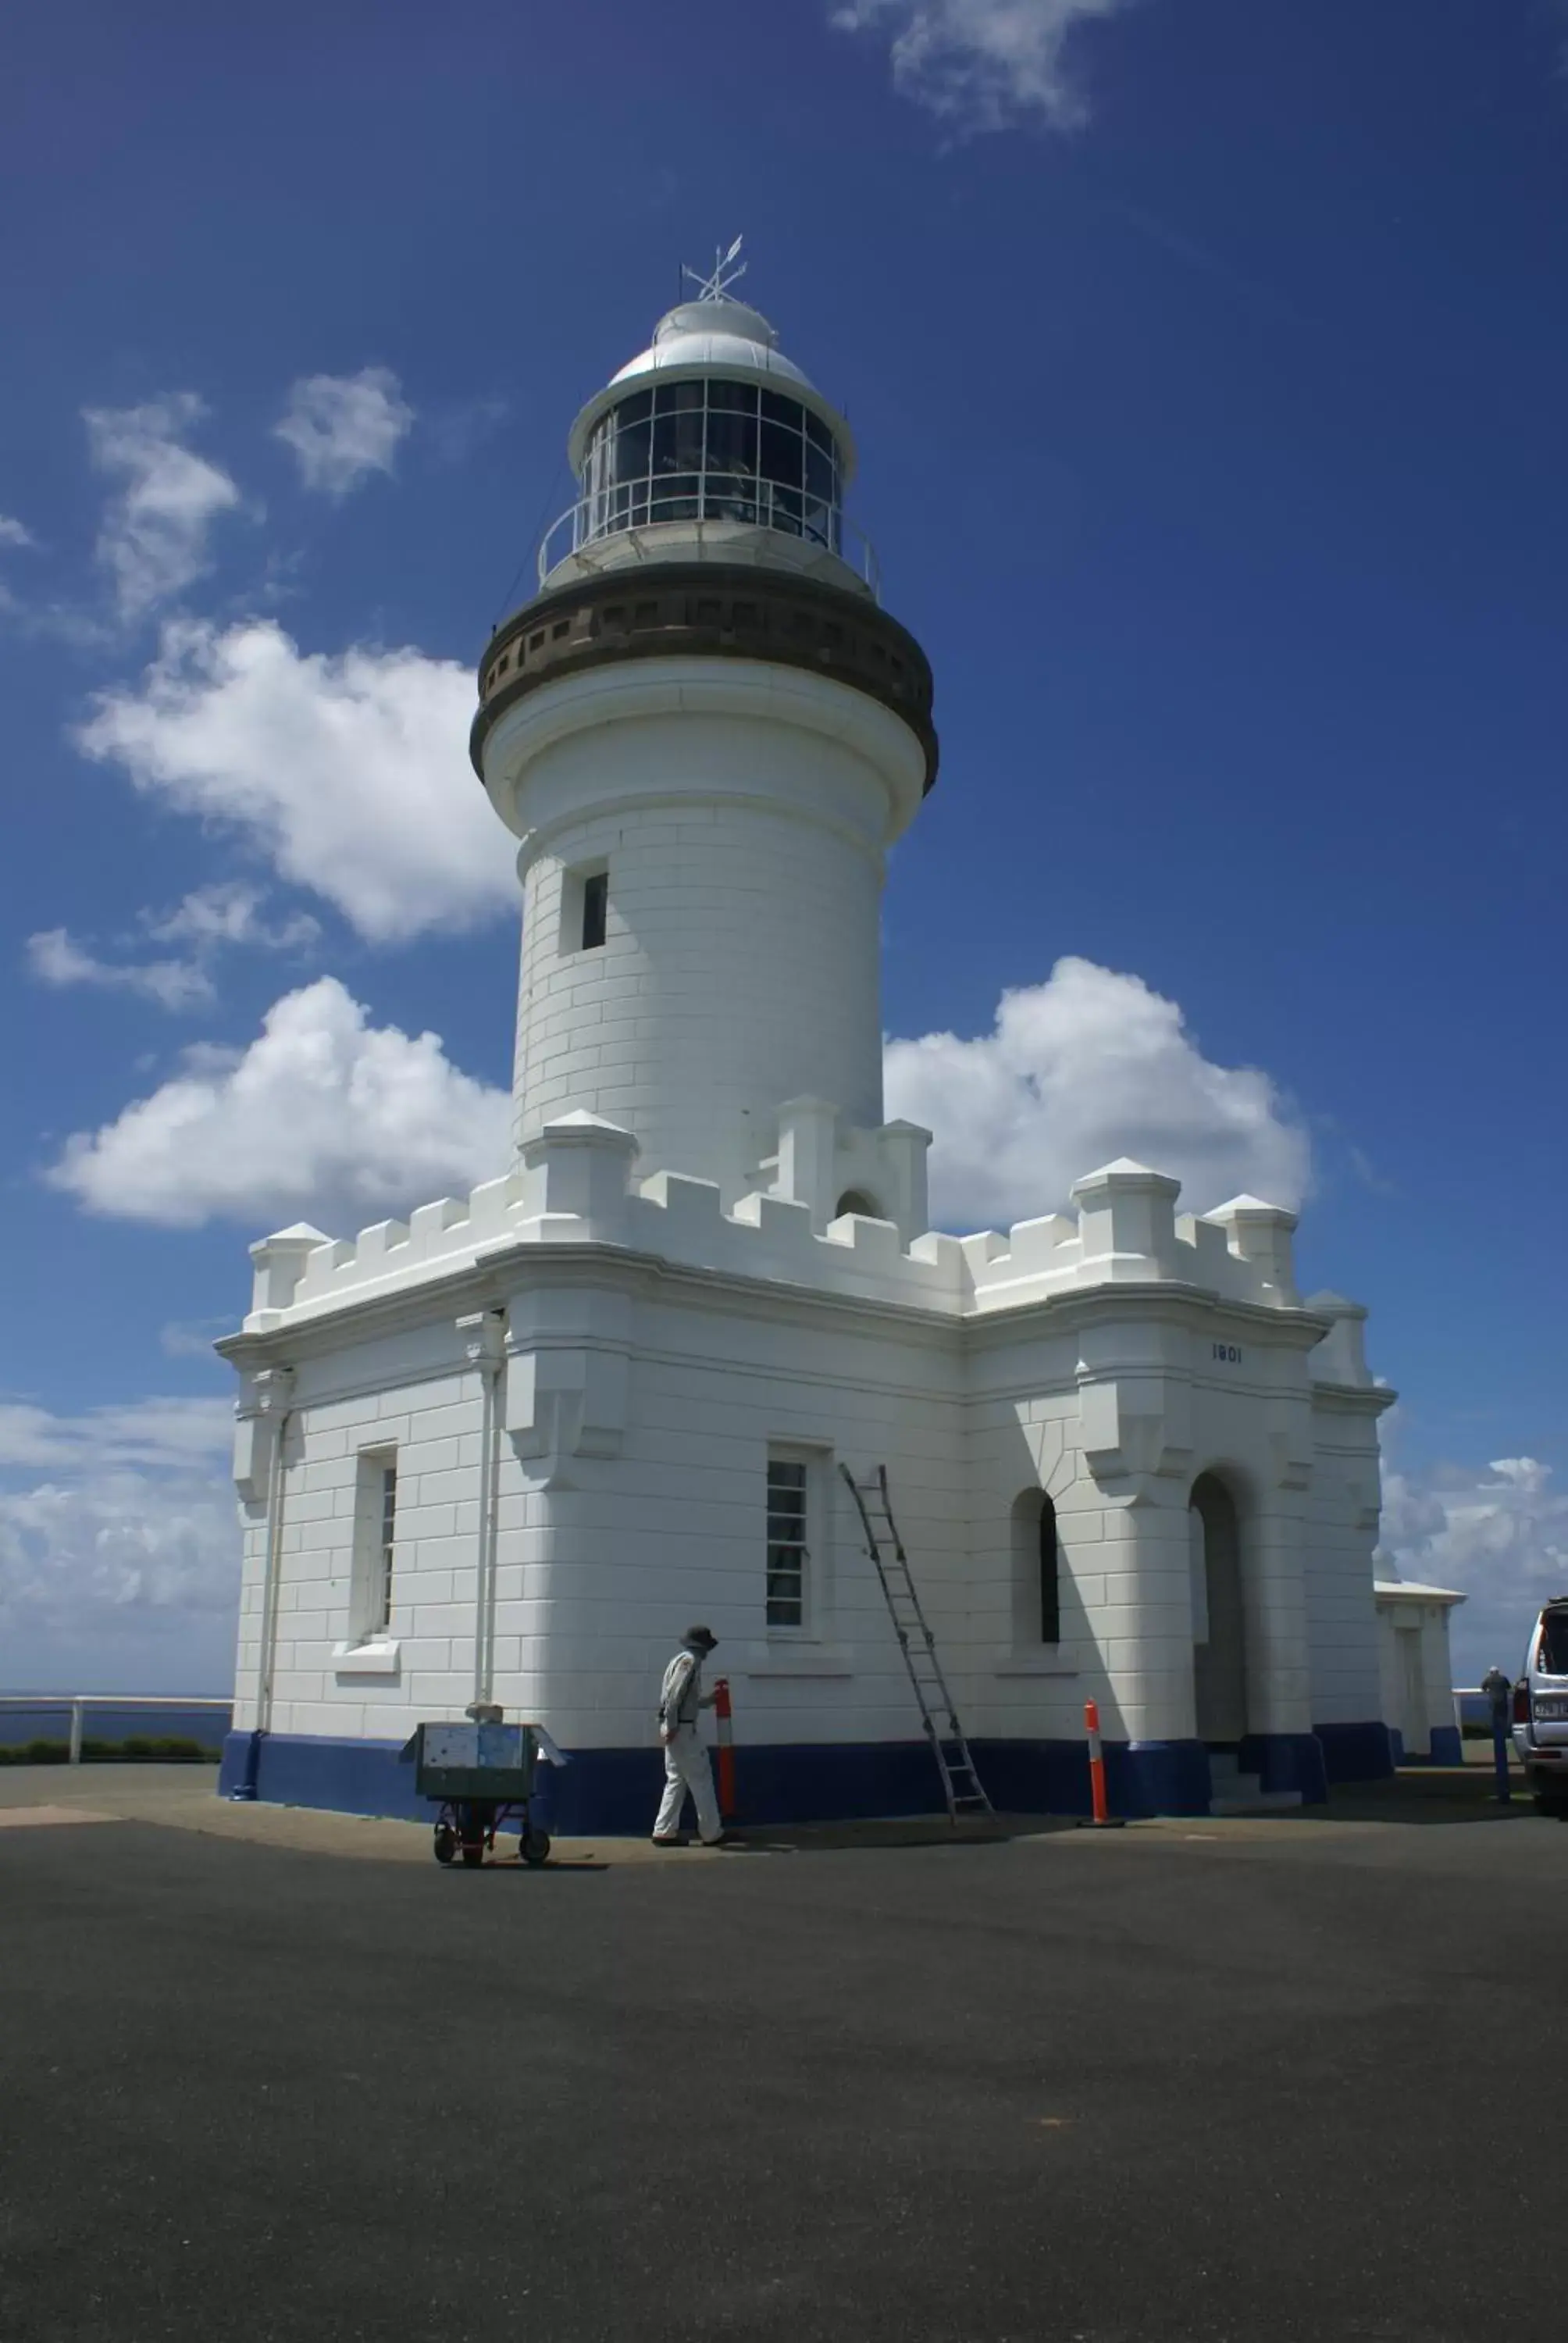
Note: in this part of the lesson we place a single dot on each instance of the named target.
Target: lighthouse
(706, 734)
(648, 1370)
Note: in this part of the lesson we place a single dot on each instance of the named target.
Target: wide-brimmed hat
(701, 1638)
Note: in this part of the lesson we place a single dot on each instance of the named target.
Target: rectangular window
(585, 908)
(789, 1551)
(375, 1544)
(596, 908)
(387, 1546)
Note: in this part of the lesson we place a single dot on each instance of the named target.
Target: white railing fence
(76, 1705)
(683, 497)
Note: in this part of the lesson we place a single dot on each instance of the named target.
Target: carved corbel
(263, 1403)
(1134, 1431)
(565, 1401)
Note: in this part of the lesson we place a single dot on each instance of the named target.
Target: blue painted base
(1051, 1777)
(1358, 1753)
(616, 1792)
(1447, 1747)
(1286, 1761)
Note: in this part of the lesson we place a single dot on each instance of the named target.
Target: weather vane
(725, 274)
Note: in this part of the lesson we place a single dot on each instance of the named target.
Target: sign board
(463, 1747)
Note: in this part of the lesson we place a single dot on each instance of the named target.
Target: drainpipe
(483, 1343)
(277, 1402)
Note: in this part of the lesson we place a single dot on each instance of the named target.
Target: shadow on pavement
(1423, 1794)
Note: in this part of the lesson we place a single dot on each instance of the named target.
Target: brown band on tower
(706, 609)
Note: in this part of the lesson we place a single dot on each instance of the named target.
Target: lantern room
(711, 431)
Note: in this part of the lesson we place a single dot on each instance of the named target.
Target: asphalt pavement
(1237, 2083)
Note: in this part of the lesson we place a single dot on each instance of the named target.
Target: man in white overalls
(686, 1766)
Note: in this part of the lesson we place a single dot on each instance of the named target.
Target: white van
(1541, 1709)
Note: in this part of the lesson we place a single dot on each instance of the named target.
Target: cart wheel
(534, 1846)
(473, 1853)
(446, 1844)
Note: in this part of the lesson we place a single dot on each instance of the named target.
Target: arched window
(1037, 1571)
(1219, 1621)
(855, 1200)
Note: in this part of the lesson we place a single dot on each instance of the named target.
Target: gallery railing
(662, 498)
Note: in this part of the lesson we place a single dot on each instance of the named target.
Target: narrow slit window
(788, 1552)
(1036, 1573)
(596, 910)
(387, 1548)
(375, 1545)
(1049, 1575)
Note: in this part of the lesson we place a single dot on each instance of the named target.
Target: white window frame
(373, 1586)
(814, 1571)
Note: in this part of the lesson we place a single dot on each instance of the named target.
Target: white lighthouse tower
(706, 734)
(504, 1452)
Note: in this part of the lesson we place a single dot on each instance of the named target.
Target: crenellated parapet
(578, 1185)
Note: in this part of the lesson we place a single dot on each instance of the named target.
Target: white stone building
(510, 1449)
(1416, 1673)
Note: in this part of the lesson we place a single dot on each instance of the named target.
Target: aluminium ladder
(960, 1784)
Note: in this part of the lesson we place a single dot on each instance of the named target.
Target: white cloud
(162, 1435)
(342, 428)
(1086, 1067)
(154, 539)
(208, 919)
(119, 1546)
(1524, 1475)
(1499, 1536)
(14, 533)
(53, 957)
(230, 913)
(982, 65)
(324, 1115)
(350, 772)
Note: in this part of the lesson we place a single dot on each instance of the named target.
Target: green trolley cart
(482, 1778)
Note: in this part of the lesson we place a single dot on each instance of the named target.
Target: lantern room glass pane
(734, 398)
(677, 442)
(782, 454)
(633, 451)
(731, 442)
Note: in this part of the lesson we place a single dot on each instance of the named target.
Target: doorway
(1218, 1626)
(1413, 1725)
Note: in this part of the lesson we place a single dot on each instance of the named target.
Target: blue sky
(1209, 364)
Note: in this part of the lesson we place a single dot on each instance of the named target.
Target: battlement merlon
(1338, 1366)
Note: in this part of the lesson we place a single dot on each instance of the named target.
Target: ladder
(960, 1784)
